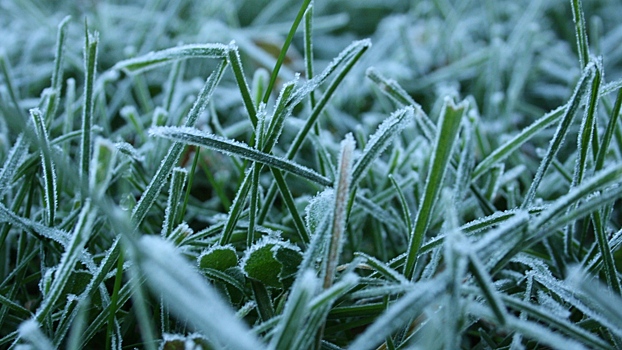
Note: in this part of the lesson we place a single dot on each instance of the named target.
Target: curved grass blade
(580, 31)
(560, 134)
(546, 317)
(532, 330)
(13, 160)
(80, 236)
(296, 309)
(178, 180)
(90, 64)
(350, 55)
(197, 137)
(342, 187)
(606, 141)
(380, 140)
(172, 157)
(513, 144)
(47, 163)
(158, 58)
(449, 124)
(600, 181)
(189, 296)
(598, 297)
(34, 227)
(233, 56)
(412, 304)
(283, 53)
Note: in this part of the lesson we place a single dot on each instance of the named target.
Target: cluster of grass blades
(157, 210)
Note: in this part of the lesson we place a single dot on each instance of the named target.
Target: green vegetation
(310, 174)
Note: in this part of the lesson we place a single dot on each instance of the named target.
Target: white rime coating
(189, 296)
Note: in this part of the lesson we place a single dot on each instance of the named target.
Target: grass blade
(402, 311)
(296, 308)
(178, 180)
(235, 148)
(233, 56)
(172, 157)
(580, 31)
(49, 170)
(342, 193)
(449, 124)
(283, 53)
(380, 140)
(90, 66)
(189, 296)
(560, 133)
(155, 59)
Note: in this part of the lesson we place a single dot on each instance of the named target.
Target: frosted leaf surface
(54, 234)
(190, 297)
(158, 58)
(30, 331)
(236, 148)
(319, 208)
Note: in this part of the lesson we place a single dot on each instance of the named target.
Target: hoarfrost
(232, 147)
(189, 296)
(30, 331)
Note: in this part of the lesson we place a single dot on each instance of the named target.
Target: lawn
(328, 174)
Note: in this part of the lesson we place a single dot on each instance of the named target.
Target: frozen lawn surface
(310, 174)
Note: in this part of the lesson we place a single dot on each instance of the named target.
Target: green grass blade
(560, 133)
(57, 72)
(236, 148)
(282, 110)
(586, 131)
(102, 166)
(406, 214)
(402, 311)
(606, 253)
(9, 82)
(236, 209)
(90, 66)
(380, 140)
(189, 296)
(606, 141)
(254, 202)
(155, 59)
(581, 32)
(308, 45)
(80, 236)
(342, 187)
(598, 297)
(295, 311)
(449, 124)
(503, 151)
(172, 157)
(490, 292)
(47, 163)
(532, 330)
(599, 182)
(33, 227)
(349, 56)
(283, 53)
(545, 316)
(291, 205)
(233, 56)
(15, 156)
(178, 180)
